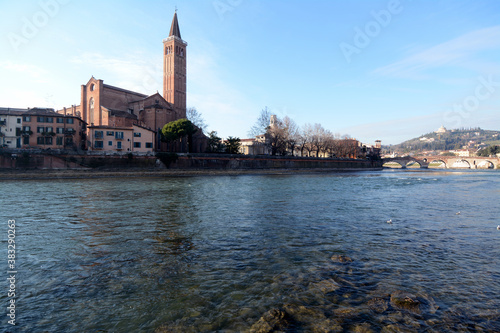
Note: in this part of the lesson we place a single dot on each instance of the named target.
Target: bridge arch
(434, 164)
(461, 164)
(484, 164)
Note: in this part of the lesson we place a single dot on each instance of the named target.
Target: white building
(11, 127)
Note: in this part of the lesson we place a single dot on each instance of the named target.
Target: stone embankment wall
(234, 162)
(43, 160)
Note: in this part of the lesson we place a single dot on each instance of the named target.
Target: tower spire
(174, 28)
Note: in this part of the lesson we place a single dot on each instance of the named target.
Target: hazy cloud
(451, 53)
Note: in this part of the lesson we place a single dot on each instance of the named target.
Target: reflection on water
(296, 253)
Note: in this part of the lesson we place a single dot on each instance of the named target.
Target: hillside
(444, 140)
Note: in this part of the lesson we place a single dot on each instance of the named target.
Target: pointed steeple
(174, 29)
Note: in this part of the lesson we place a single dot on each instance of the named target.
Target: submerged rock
(273, 320)
(378, 304)
(341, 258)
(326, 286)
(405, 301)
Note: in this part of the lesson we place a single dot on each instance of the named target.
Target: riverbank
(120, 173)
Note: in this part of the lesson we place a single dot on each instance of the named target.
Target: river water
(305, 253)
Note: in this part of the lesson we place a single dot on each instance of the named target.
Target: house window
(110, 143)
(40, 140)
(49, 120)
(59, 140)
(26, 118)
(60, 130)
(69, 141)
(119, 145)
(137, 145)
(70, 121)
(18, 131)
(49, 129)
(40, 119)
(149, 145)
(137, 135)
(26, 128)
(60, 120)
(26, 140)
(48, 140)
(119, 135)
(18, 120)
(98, 144)
(110, 133)
(98, 134)
(40, 129)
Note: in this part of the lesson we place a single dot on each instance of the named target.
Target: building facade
(41, 128)
(104, 107)
(11, 127)
(136, 139)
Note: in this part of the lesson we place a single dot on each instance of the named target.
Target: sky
(374, 70)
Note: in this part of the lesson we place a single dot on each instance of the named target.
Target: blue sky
(388, 70)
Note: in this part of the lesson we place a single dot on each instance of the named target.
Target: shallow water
(217, 253)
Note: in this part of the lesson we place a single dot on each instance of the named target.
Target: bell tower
(174, 69)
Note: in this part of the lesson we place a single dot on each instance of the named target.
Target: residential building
(121, 139)
(10, 127)
(45, 128)
(41, 128)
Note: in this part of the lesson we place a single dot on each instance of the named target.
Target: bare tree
(196, 118)
(308, 137)
(262, 124)
(291, 134)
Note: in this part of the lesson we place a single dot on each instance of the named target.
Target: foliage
(215, 144)
(167, 158)
(489, 151)
(196, 118)
(233, 145)
(178, 129)
(284, 137)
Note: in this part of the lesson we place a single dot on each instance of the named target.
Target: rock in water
(272, 321)
(405, 301)
(341, 258)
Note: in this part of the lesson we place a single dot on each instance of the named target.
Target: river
(305, 253)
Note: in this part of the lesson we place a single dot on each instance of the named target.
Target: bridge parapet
(474, 162)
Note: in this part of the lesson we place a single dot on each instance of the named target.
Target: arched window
(91, 110)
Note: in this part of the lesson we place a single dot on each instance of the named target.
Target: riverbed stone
(304, 314)
(378, 304)
(361, 328)
(341, 258)
(325, 326)
(405, 301)
(326, 286)
(272, 321)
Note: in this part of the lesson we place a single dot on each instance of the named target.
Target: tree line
(283, 136)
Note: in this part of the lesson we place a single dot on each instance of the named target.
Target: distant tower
(378, 144)
(174, 69)
(274, 121)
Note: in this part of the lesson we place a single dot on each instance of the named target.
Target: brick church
(108, 109)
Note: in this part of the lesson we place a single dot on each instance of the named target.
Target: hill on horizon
(443, 140)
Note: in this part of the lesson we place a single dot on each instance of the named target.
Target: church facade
(104, 107)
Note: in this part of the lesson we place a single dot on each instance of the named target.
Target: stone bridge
(450, 162)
